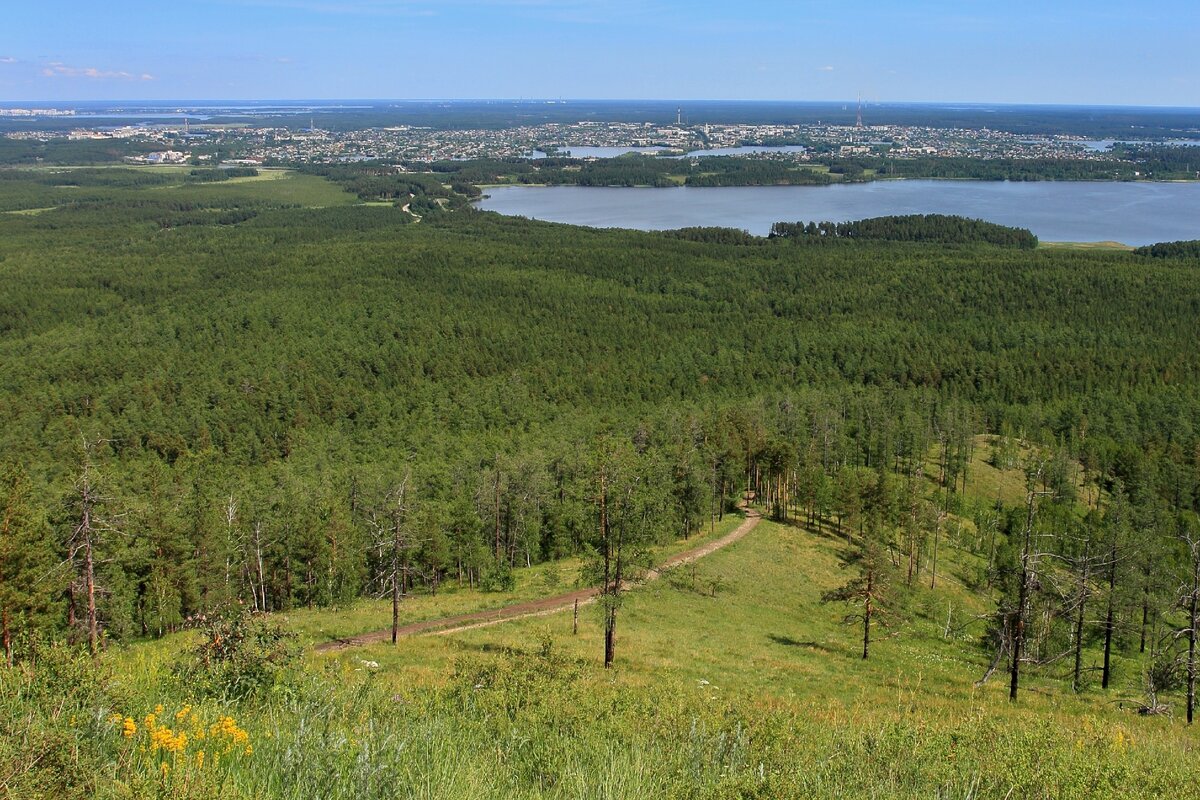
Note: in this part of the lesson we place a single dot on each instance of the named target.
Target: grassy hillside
(756, 690)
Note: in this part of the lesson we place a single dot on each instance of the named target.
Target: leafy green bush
(242, 655)
(499, 578)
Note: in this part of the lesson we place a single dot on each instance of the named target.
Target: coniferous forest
(261, 393)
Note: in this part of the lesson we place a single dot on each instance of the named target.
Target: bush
(51, 712)
(242, 655)
(499, 578)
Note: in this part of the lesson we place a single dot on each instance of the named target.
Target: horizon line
(565, 100)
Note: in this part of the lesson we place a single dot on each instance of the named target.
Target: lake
(1056, 211)
(1101, 145)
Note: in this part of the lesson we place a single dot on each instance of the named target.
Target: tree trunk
(610, 637)
(90, 582)
(496, 500)
(395, 606)
(262, 582)
(1018, 637)
(395, 565)
(1191, 660)
(1108, 620)
(1145, 607)
(1083, 594)
(867, 615)
(610, 614)
(610, 629)
(933, 566)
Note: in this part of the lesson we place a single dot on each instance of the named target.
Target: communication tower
(858, 122)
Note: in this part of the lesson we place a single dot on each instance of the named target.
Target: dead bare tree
(1191, 600)
(1029, 566)
(91, 524)
(391, 522)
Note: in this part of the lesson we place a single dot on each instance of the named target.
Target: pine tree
(28, 581)
(870, 589)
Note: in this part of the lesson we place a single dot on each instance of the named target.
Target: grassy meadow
(733, 679)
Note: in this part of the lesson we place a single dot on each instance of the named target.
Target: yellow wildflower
(128, 728)
(167, 739)
(200, 759)
(227, 728)
(158, 709)
(150, 721)
(164, 769)
(249, 750)
(182, 713)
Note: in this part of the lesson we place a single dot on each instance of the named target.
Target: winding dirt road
(533, 608)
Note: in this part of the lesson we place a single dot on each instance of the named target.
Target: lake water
(1100, 145)
(1057, 211)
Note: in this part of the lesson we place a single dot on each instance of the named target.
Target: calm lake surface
(1057, 211)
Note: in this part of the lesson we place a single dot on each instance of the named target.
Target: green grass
(291, 188)
(765, 632)
(754, 690)
(540, 580)
(758, 692)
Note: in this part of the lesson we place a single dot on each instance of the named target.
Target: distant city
(279, 134)
(183, 139)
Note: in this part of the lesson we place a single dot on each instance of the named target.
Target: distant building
(166, 157)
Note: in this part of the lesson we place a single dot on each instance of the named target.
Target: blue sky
(1052, 51)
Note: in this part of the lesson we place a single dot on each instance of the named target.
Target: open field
(1086, 246)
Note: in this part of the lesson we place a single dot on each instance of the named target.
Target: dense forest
(1186, 249)
(249, 391)
(633, 170)
(911, 228)
(1125, 164)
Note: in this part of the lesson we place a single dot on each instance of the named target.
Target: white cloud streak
(57, 69)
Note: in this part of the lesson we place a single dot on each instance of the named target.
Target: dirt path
(407, 209)
(533, 608)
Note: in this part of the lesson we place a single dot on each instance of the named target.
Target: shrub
(241, 655)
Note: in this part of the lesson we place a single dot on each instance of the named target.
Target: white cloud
(825, 69)
(560, 10)
(7, 60)
(57, 69)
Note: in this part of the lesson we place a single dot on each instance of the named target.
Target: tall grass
(540, 725)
